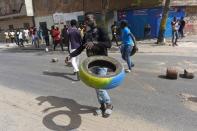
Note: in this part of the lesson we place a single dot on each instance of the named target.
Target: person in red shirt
(57, 38)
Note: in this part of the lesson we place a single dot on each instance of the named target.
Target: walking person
(114, 30)
(96, 42)
(74, 43)
(26, 34)
(31, 30)
(17, 37)
(51, 33)
(39, 34)
(181, 27)
(45, 35)
(12, 35)
(57, 38)
(175, 27)
(64, 35)
(35, 38)
(6, 36)
(127, 45)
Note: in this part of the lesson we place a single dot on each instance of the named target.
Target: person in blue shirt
(127, 44)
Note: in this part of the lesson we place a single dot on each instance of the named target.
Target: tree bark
(162, 29)
(105, 7)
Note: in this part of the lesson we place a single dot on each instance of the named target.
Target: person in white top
(26, 35)
(175, 27)
(20, 36)
(12, 36)
(6, 36)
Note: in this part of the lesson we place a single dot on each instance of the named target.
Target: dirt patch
(190, 101)
(22, 111)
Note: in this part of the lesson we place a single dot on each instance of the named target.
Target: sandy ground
(22, 111)
(190, 101)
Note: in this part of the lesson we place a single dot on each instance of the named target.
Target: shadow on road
(58, 74)
(164, 77)
(73, 113)
(27, 49)
(31, 49)
(193, 99)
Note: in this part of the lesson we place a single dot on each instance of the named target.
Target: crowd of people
(41, 35)
(91, 37)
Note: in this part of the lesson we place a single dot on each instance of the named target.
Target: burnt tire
(110, 80)
(171, 73)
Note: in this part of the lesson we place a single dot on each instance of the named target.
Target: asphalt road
(144, 93)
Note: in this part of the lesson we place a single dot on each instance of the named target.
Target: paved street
(38, 95)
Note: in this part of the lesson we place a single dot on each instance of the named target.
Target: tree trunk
(105, 7)
(162, 29)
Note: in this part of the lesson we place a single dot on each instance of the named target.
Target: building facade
(21, 13)
(25, 13)
(62, 11)
(190, 8)
(15, 14)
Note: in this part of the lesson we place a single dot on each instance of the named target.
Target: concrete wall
(183, 2)
(47, 19)
(16, 22)
(8, 7)
(49, 7)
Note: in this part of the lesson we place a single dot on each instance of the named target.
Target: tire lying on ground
(112, 79)
(171, 73)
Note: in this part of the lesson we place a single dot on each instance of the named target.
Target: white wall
(29, 7)
(65, 17)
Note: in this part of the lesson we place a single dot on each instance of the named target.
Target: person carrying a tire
(96, 42)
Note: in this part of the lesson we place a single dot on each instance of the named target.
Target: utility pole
(162, 29)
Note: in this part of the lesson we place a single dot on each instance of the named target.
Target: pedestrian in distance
(35, 38)
(31, 29)
(12, 35)
(21, 38)
(39, 33)
(6, 33)
(51, 33)
(17, 37)
(81, 29)
(57, 38)
(181, 27)
(127, 44)
(75, 42)
(175, 27)
(64, 35)
(114, 30)
(96, 42)
(45, 35)
(26, 35)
